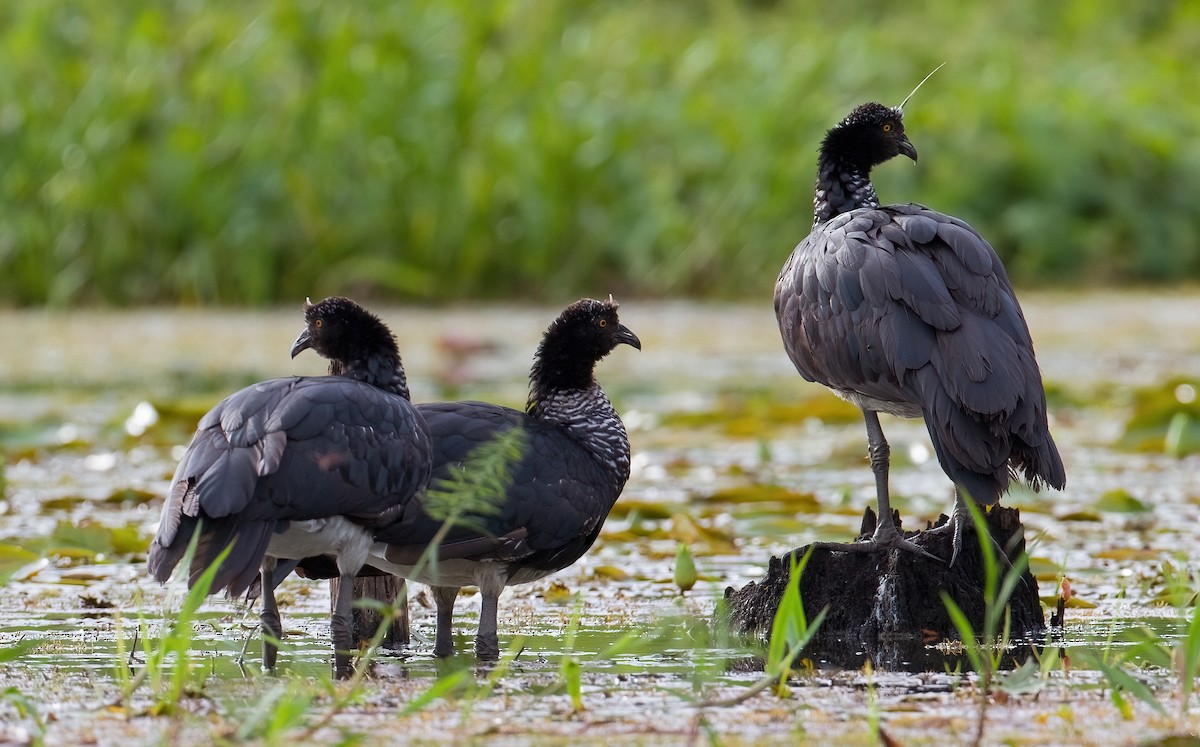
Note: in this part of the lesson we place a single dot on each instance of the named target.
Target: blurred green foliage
(156, 151)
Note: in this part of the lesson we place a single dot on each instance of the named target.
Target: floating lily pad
(1120, 501)
(754, 414)
(637, 533)
(89, 541)
(611, 572)
(765, 492)
(644, 510)
(1080, 516)
(62, 502)
(713, 541)
(12, 558)
(135, 496)
(557, 593)
(76, 554)
(1127, 554)
(1044, 569)
(1166, 418)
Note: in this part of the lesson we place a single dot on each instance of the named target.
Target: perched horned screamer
(904, 310)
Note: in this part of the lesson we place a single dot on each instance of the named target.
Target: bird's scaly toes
(879, 544)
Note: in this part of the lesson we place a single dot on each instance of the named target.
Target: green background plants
(253, 153)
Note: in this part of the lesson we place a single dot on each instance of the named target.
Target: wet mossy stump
(887, 607)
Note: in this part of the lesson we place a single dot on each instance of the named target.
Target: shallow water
(734, 454)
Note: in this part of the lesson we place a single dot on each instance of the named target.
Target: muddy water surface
(734, 456)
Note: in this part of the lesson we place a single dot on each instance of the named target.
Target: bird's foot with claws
(886, 538)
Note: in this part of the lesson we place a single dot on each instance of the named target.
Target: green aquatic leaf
(13, 558)
(1165, 418)
(1183, 434)
(1120, 500)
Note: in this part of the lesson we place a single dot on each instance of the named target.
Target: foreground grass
(603, 696)
(434, 149)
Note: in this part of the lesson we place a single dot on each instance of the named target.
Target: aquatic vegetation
(1165, 418)
(987, 650)
(609, 648)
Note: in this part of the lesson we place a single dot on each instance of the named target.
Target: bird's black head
(580, 337)
(345, 333)
(871, 134)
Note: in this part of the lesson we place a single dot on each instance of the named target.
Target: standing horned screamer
(573, 462)
(904, 310)
(300, 466)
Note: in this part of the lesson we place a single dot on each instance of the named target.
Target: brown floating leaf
(136, 496)
(556, 593)
(683, 529)
(643, 509)
(1080, 516)
(765, 492)
(611, 572)
(711, 541)
(1127, 553)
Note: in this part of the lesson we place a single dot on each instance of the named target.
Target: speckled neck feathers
(385, 372)
(591, 420)
(841, 187)
(871, 134)
(562, 384)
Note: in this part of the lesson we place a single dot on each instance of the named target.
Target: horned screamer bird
(904, 310)
(300, 466)
(573, 464)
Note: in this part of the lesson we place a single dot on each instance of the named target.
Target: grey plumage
(574, 463)
(289, 467)
(905, 310)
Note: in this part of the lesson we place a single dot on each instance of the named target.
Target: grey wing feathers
(905, 304)
(558, 498)
(301, 448)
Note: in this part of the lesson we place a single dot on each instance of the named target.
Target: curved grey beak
(302, 343)
(624, 335)
(907, 148)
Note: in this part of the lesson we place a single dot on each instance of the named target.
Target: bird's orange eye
(317, 323)
(603, 322)
(887, 128)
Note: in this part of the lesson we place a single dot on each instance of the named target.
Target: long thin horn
(910, 95)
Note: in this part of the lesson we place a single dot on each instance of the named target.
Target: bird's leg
(887, 536)
(960, 518)
(443, 597)
(487, 641)
(272, 628)
(491, 580)
(880, 455)
(341, 626)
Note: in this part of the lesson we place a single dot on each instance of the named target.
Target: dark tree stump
(387, 589)
(887, 606)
